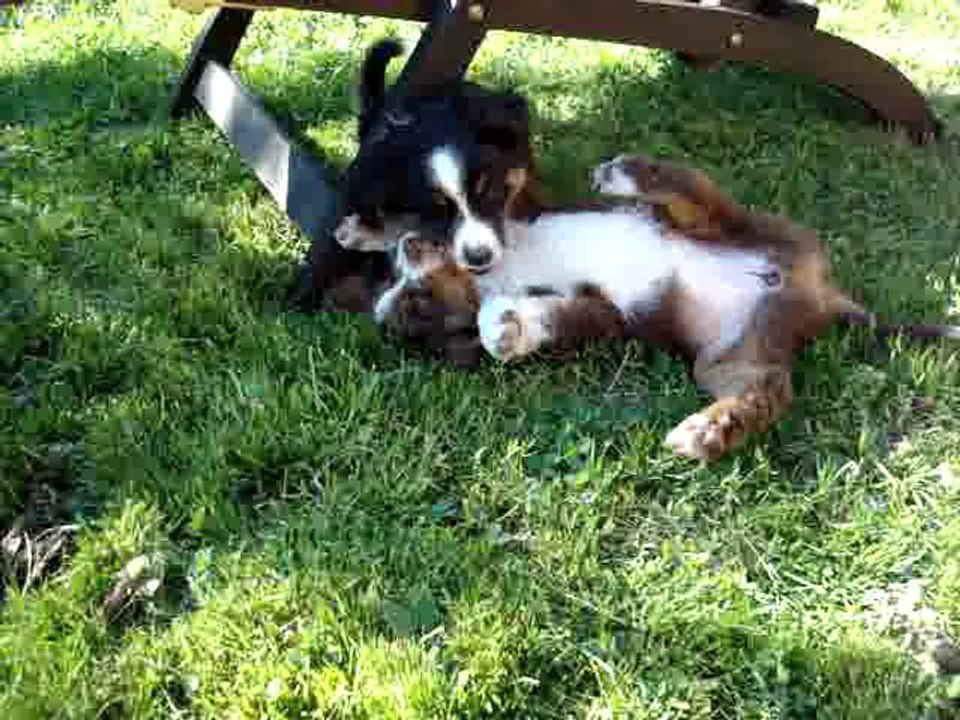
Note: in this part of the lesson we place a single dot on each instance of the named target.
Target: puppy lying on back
(671, 260)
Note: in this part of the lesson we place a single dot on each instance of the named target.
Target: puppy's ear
(680, 211)
(497, 118)
(685, 197)
(704, 191)
(525, 199)
(515, 182)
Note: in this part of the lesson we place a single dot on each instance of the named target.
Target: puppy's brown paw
(416, 314)
(705, 435)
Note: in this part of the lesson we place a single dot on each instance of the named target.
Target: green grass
(344, 530)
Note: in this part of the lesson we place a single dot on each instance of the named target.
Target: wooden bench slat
(401, 9)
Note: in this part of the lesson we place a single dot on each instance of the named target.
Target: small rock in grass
(139, 579)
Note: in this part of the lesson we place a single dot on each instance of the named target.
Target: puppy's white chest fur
(631, 258)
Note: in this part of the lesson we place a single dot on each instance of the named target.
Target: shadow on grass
(764, 134)
(770, 138)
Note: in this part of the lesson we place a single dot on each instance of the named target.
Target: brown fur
(440, 316)
(750, 382)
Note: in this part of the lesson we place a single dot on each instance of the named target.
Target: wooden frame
(780, 34)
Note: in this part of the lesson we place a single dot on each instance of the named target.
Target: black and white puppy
(390, 187)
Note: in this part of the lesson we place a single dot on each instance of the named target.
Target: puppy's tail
(373, 75)
(851, 314)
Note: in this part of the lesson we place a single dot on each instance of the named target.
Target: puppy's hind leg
(750, 397)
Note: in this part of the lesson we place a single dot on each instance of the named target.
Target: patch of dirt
(38, 540)
(900, 611)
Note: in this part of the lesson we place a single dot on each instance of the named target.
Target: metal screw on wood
(736, 40)
(476, 12)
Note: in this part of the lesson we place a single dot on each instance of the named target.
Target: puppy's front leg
(514, 327)
(352, 234)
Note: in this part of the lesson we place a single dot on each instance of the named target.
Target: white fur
(446, 171)
(472, 235)
(514, 326)
(384, 304)
(610, 179)
(628, 256)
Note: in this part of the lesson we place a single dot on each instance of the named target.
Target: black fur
(388, 178)
(373, 82)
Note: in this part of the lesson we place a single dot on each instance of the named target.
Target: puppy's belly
(718, 293)
(699, 323)
(706, 293)
(624, 254)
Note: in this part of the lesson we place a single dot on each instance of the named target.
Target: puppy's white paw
(700, 436)
(354, 235)
(506, 329)
(611, 178)
(348, 232)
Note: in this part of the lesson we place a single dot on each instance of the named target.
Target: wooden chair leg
(446, 47)
(297, 180)
(218, 42)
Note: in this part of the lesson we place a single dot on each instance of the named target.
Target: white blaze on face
(475, 244)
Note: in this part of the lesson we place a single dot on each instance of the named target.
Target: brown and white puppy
(674, 261)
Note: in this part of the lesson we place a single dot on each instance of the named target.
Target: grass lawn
(335, 528)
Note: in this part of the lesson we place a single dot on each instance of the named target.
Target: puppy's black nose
(478, 258)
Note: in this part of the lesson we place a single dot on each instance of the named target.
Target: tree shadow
(762, 134)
